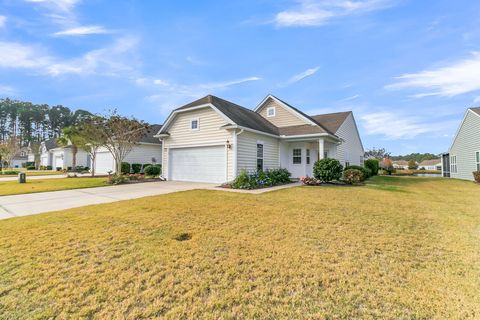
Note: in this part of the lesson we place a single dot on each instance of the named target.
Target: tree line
(29, 122)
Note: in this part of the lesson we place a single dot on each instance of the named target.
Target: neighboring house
(20, 158)
(212, 140)
(435, 164)
(400, 164)
(52, 154)
(463, 157)
(147, 151)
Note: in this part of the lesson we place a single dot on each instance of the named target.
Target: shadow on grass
(397, 184)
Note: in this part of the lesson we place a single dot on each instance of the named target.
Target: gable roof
(239, 115)
(51, 143)
(332, 121)
(430, 162)
(295, 110)
(150, 133)
(476, 110)
(400, 162)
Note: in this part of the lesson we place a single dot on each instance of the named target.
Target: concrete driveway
(33, 203)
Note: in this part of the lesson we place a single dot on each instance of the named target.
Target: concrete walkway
(34, 203)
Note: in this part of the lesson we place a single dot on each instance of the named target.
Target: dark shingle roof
(476, 110)
(151, 131)
(239, 115)
(51, 143)
(332, 121)
(300, 130)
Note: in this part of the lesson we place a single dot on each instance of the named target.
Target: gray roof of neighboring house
(476, 110)
(250, 119)
(332, 121)
(241, 116)
(151, 131)
(400, 162)
(51, 143)
(430, 162)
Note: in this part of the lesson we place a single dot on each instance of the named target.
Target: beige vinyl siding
(144, 153)
(467, 142)
(209, 133)
(283, 117)
(247, 151)
(351, 148)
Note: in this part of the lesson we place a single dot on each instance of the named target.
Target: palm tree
(71, 137)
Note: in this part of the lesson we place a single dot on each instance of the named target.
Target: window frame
(307, 156)
(198, 124)
(453, 164)
(271, 109)
(297, 156)
(261, 159)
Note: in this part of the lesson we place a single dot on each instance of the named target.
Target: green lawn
(42, 185)
(398, 248)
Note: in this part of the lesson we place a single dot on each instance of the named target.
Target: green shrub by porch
(327, 170)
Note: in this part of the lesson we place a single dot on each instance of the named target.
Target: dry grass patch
(42, 185)
(328, 252)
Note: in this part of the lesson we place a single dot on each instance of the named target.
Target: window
(308, 156)
(453, 164)
(194, 124)
(271, 112)
(259, 156)
(477, 159)
(347, 164)
(297, 156)
(362, 161)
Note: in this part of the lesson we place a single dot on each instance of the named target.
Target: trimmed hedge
(153, 170)
(125, 168)
(353, 176)
(260, 179)
(327, 170)
(366, 172)
(136, 167)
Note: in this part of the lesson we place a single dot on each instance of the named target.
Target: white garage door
(104, 163)
(58, 163)
(202, 164)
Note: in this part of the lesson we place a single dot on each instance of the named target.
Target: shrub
(366, 173)
(136, 167)
(260, 179)
(136, 177)
(412, 165)
(476, 176)
(387, 165)
(9, 172)
(352, 176)
(310, 181)
(125, 168)
(48, 168)
(373, 165)
(117, 179)
(153, 170)
(58, 168)
(327, 170)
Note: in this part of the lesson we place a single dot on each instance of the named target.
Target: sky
(408, 69)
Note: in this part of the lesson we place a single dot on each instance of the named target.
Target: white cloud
(351, 98)
(321, 12)
(454, 79)
(476, 100)
(82, 30)
(3, 20)
(395, 127)
(7, 90)
(110, 60)
(302, 75)
(63, 5)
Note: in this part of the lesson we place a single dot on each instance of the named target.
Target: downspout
(235, 152)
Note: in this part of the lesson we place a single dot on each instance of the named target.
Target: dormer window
(271, 112)
(194, 124)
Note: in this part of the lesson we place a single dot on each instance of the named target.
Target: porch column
(321, 148)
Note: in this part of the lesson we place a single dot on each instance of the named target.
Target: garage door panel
(202, 164)
(104, 163)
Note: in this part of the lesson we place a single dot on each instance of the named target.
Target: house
(212, 140)
(400, 164)
(59, 157)
(147, 151)
(434, 164)
(463, 157)
(20, 158)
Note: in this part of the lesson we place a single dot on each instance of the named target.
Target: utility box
(22, 177)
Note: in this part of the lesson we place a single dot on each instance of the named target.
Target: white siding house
(464, 153)
(213, 140)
